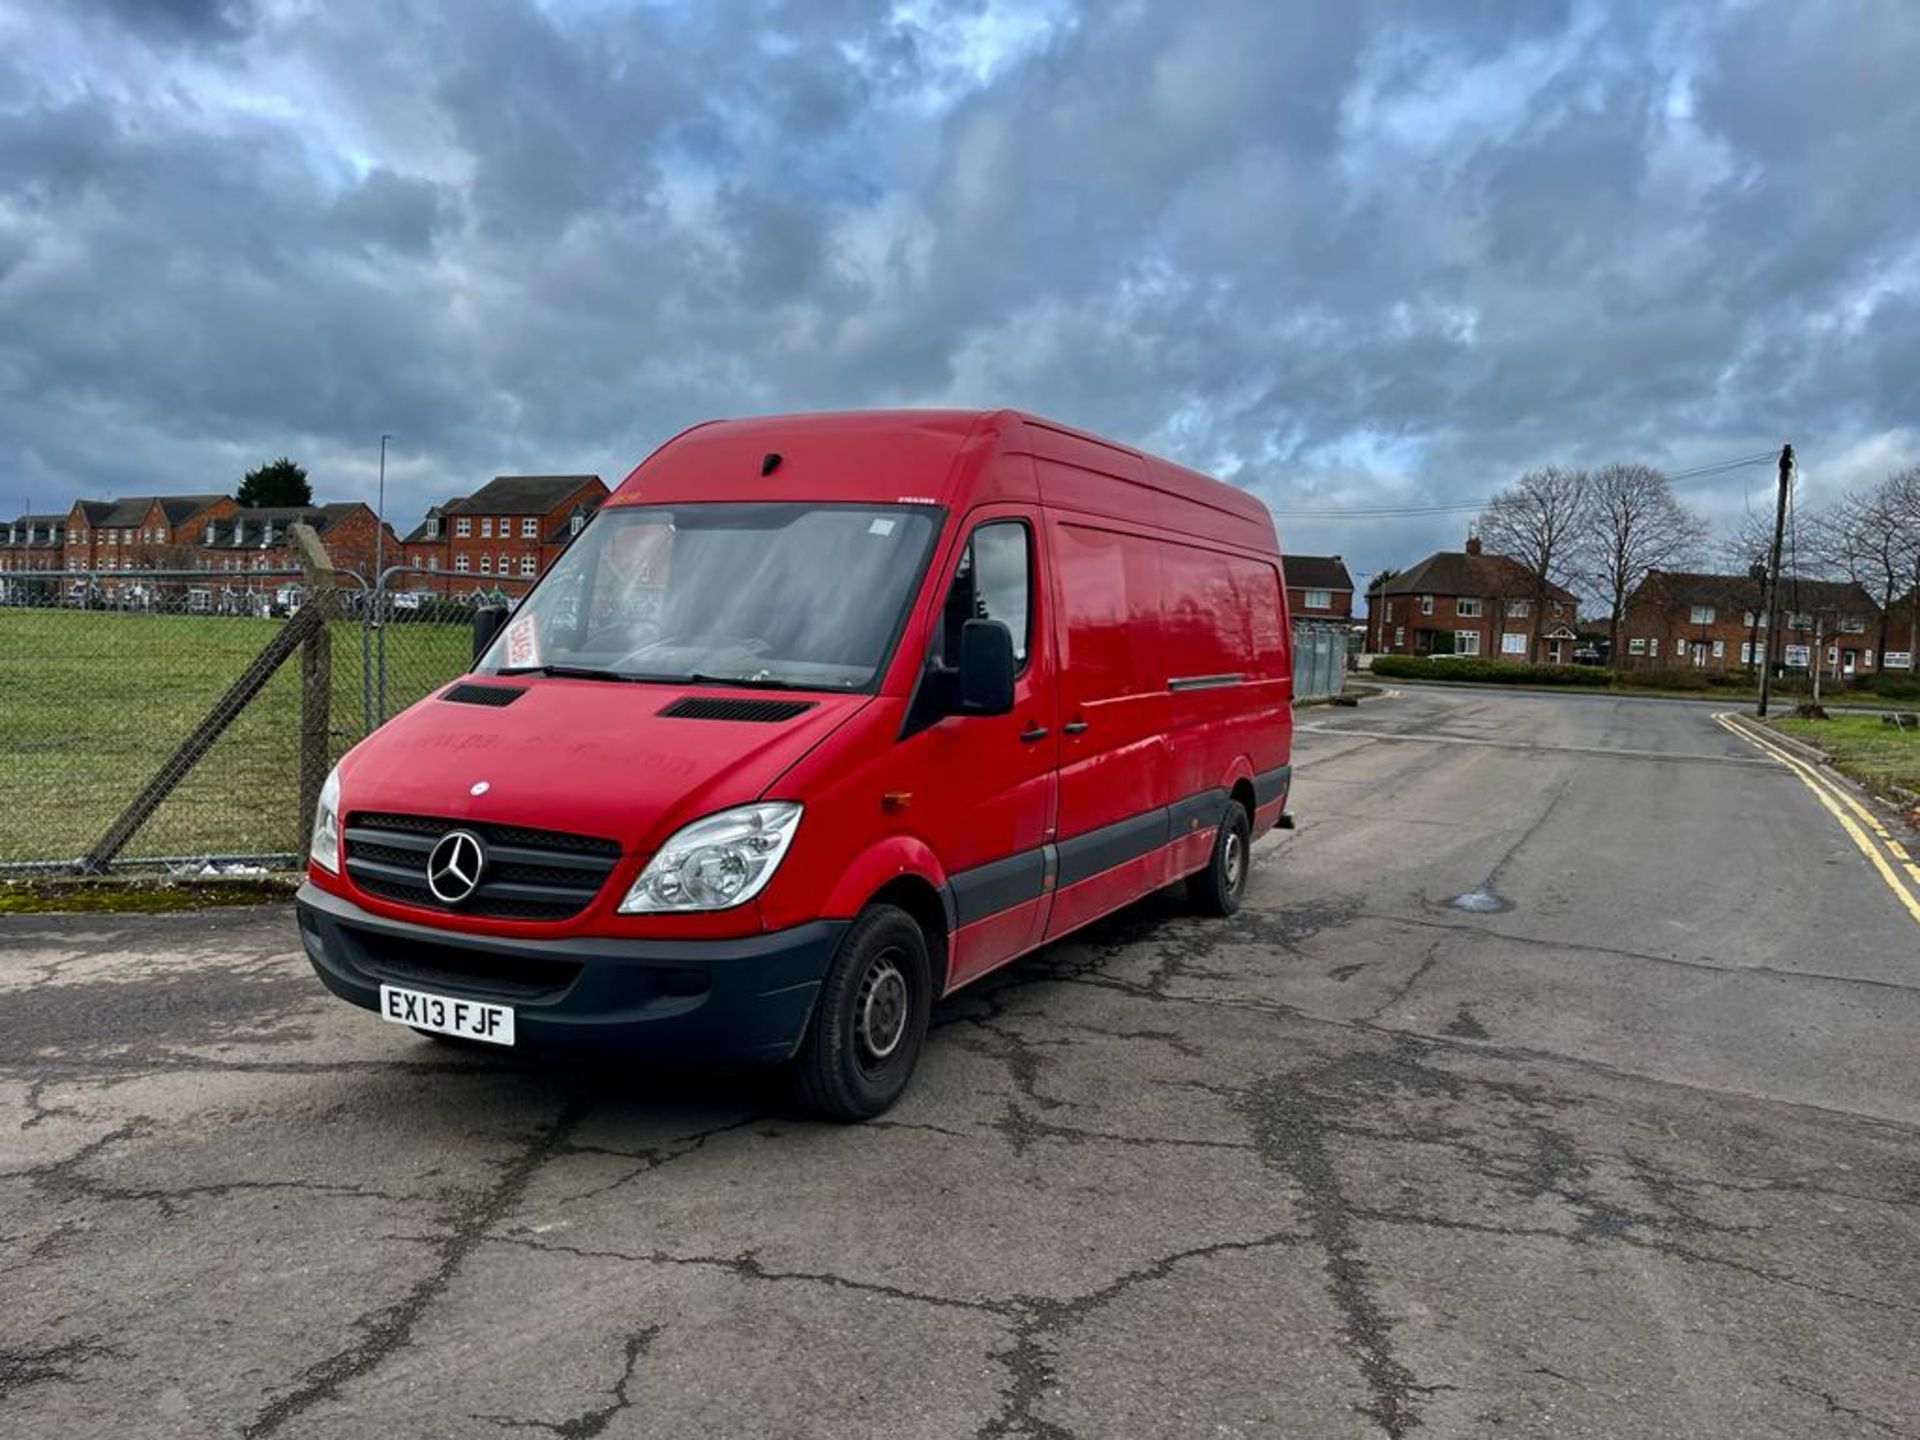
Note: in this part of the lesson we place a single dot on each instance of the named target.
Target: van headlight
(716, 863)
(324, 846)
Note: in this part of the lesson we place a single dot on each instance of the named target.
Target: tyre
(1217, 889)
(870, 1021)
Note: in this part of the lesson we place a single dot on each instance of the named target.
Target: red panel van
(820, 718)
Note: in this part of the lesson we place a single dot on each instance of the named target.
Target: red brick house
(1319, 588)
(1683, 619)
(32, 544)
(1903, 630)
(236, 547)
(504, 535)
(150, 532)
(1464, 602)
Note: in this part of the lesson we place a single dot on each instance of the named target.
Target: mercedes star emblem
(455, 866)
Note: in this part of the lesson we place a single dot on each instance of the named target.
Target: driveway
(1558, 1079)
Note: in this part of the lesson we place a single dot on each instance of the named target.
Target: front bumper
(735, 1001)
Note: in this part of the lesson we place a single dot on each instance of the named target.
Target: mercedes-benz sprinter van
(819, 719)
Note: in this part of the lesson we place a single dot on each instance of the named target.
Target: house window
(486, 527)
(486, 564)
(1426, 604)
(1701, 615)
(1467, 607)
(460, 563)
(1719, 649)
(1466, 642)
(579, 521)
(463, 526)
(1636, 646)
(1853, 625)
(433, 562)
(1799, 620)
(1897, 660)
(1399, 635)
(529, 527)
(1747, 618)
(1514, 642)
(505, 568)
(527, 565)
(433, 529)
(1519, 609)
(1796, 655)
(1317, 600)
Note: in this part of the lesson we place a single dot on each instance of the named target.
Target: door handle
(1073, 727)
(1033, 733)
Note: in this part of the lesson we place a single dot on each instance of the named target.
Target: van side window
(993, 582)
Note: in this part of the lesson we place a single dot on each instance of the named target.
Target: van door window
(993, 582)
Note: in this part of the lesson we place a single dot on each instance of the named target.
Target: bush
(1892, 686)
(1492, 672)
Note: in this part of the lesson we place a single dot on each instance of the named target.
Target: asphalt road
(1631, 1149)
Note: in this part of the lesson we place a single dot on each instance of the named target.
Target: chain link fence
(1319, 660)
(182, 719)
(107, 678)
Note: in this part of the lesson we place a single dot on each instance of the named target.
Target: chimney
(1473, 544)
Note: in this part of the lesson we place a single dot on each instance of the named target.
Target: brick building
(504, 535)
(149, 532)
(254, 539)
(1319, 588)
(1684, 619)
(1464, 602)
(30, 545)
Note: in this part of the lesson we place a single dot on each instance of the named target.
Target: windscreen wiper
(748, 682)
(566, 672)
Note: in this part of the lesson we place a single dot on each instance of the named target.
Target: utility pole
(1773, 573)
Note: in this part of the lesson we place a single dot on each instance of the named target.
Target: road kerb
(1889, 857)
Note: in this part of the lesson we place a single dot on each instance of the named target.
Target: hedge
(1495, 672)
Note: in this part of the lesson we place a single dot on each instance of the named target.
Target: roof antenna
(769, 463)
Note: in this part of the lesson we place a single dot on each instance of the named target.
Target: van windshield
(799, 595)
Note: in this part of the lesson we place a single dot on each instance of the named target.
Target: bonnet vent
(729, 707)
(494, 695)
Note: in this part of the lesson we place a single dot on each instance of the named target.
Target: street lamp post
(380, 517)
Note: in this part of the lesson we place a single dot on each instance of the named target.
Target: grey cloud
(1354, 254)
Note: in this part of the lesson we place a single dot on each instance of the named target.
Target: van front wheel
(870, 1020)
(1217, 889)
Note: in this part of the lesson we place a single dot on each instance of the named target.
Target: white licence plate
(469, 1019)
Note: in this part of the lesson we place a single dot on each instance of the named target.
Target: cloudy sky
(1350, 256)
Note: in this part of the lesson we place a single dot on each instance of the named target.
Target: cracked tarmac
(1637, 1155)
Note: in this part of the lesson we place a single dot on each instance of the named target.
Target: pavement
(1558, 1079)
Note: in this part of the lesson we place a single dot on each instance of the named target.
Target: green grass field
(92, 702)
(1865, 747)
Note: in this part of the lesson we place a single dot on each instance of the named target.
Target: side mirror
(986, 668)
(488, 621)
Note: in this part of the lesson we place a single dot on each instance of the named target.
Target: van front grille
(529, 874)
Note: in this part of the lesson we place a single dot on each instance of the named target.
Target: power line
(1694, 475)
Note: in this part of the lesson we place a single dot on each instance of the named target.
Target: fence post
(316, 672)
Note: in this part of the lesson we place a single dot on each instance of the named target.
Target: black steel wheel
(1217, 889)
(870, 1021)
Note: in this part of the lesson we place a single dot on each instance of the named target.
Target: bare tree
(1872, 537)
(1634, 525)
(1538, 521)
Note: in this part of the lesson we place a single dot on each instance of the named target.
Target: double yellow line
(1896, 866)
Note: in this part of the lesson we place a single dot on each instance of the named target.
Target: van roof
(888, 455)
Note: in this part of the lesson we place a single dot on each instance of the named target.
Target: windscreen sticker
(882, 526)
(523, 643)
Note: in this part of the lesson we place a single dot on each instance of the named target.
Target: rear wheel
(1217, 889)
(870, 1021)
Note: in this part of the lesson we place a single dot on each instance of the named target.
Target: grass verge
(1865, 748)
(113, 897)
